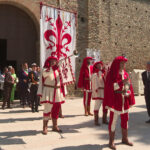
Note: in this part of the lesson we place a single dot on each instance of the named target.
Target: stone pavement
(20, 129)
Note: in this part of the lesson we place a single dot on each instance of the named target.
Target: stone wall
(123, 28)
(130, 31)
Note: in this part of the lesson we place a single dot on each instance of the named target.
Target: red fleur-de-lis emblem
(48, 19)
(58, 32)
(64, 70)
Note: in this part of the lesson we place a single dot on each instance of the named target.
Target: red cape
(84, 73)
(112, 77)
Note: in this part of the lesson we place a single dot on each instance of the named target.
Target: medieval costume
(98, 83)
(84, 83)
(118, 98)
(51, 93)
(34, 82)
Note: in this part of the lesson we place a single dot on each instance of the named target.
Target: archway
(18, 37)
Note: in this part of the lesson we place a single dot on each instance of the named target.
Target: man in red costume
(118, 98)
(98, 83)
(51, 93)
(85, 83)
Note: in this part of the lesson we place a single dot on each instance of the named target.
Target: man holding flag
(58, 40)
(51, 93)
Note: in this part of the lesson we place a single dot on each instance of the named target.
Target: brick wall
(123, 28)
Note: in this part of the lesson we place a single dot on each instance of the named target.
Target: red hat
(47, 64)
(95, 70)
(85, 61)
(115, 66)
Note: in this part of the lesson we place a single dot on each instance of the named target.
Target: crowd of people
(109, 87)
(25, 82)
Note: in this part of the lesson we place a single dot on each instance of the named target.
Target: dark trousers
(24, 95)
(147, 100)
(6, 96)
(33, 96)
(1, 94)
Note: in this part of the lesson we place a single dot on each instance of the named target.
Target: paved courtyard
(20, 129)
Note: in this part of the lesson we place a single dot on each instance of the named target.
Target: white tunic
(97, 83)
(46, 90)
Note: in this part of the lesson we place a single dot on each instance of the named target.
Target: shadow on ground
(75, 127)
(10, 120)
(71, 116)
(137, 128)
(141, 106)
(83, 147)
(8, 138)
(18, 111)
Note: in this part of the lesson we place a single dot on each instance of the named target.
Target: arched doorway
(18, 37)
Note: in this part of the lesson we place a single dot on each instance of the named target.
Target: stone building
(113, 26)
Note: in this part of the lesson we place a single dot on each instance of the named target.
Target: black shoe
(148, 121)
(36, 110)
(33, 110)
(9, 107)
(23, 106)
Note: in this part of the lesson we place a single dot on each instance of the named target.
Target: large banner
(58, 38)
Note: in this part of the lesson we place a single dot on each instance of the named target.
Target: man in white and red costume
(98, 83)
(51, 93)
(118, 98)
(85, 83)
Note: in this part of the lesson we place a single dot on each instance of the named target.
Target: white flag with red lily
(58, 38)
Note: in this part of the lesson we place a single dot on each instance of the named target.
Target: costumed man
(98, 83)
(146, 82)
(23, 85)
(51, 93)
(8, 85)
(118, 98)
(34, 82)
(84, 83)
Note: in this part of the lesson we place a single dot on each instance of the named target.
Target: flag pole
(59, 4)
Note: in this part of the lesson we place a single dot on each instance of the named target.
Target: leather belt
(86, 79)
(52, 86)
(118, 91)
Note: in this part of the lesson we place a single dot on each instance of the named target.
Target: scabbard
(119, 92)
